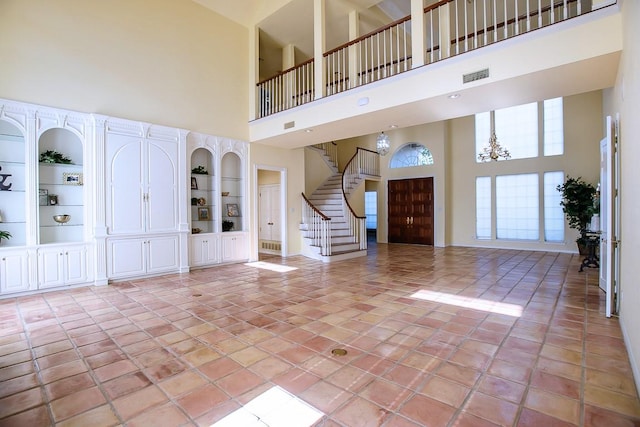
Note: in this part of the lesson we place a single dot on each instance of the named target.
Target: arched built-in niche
(60, 187)
(232, 192)
(203, 195)
(12, 185)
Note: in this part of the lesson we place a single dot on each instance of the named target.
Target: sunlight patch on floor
(273, 408)
(470, 302)
(269, 266)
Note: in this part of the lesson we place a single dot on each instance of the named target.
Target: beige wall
(165, 64)
(316, 171)
(583, 132)
(292, 163)
(625, 100)
(268, 177)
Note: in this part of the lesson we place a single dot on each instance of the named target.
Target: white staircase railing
(317, 226)
(364, 162)
(330, 149)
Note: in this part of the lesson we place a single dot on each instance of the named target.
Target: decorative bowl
(61, 219)
(225, 193)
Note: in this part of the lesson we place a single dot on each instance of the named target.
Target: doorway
(270, 220)
(410, 211)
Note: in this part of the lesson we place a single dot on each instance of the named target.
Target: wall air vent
(476, 75)
(289, 125)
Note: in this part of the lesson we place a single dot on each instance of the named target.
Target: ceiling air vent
(289, 125)
(476, 75)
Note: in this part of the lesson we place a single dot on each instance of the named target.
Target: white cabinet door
(50, 268)
(75, 265)
(142, 191)
(14, 272)
(161, 254)
(204, 250)
(142, 256)
(125, 258)
(61, 266)
(234, 247)
(162, 186)
(125, 184)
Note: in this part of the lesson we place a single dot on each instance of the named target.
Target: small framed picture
(203, 214)
(194, 183)
(72, 178)
(43, 197)
(53, 199)
(232, 209)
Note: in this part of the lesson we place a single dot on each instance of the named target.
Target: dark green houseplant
(578, 205)
(4, 235)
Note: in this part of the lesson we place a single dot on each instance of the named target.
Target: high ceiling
(278, 29)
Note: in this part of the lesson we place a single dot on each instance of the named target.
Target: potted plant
(578, 205)
(4, 235)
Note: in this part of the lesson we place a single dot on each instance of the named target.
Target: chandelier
(494, 150)
(382, 144)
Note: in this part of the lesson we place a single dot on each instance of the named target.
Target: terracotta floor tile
(445, 391)
(531, 418)
(201, 400)
(115, 369)
(219, 368)
(361, 413)
(427, 412)
(611, 400)
(20, 401)
(125, 384)
(67, 386)
(75, 403)
(137, 402)
(270, 367)
(167, 415)
(595, 416)
(492, 409)
(182, 383)
(165, 370)
(554, 405)
(62, 371)
(239, 382)
(160, 354)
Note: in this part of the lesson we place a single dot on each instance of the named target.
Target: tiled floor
(434, 337)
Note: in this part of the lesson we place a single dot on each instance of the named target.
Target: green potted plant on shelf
(52, 156)
(4, 235)
(578, 204)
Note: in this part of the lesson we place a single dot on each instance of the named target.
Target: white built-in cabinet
(44, 253)
(122, 203)
(216, 200)
(142, 198)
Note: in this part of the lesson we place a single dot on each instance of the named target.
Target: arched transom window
(411, 154)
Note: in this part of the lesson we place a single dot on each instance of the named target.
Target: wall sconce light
(383, 143)
(493, 151)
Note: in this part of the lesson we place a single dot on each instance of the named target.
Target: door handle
(407, 220)
(411, 220)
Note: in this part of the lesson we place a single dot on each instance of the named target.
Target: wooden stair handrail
(316, 210)
(344, 195)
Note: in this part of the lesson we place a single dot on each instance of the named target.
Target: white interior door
(269, 211)
(608, 196)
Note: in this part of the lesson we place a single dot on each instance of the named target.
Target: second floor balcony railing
(451, 27)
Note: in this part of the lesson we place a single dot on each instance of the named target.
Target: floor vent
(476, 75)
(271, 246)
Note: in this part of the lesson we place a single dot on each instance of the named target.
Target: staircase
(331, 230)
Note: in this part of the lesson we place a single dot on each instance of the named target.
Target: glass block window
(483, 207)
(411, 154)
(553, 127)
(517, 130)
(371, 209)
(517, 207)
(553, 215)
